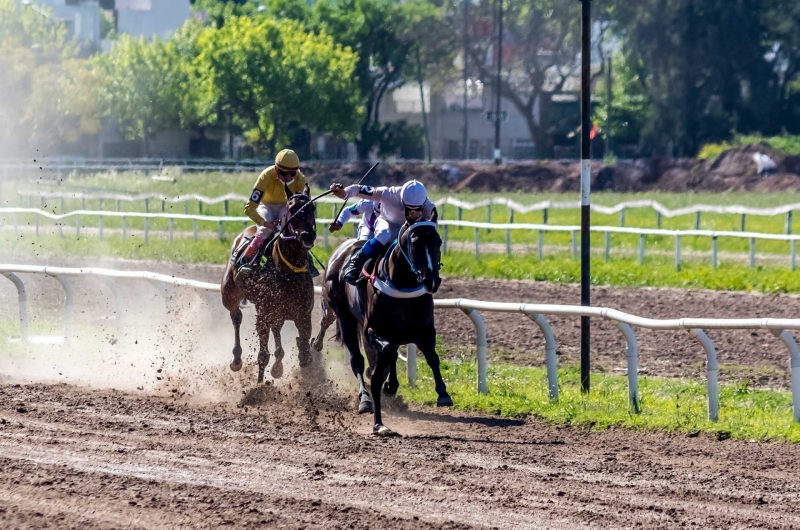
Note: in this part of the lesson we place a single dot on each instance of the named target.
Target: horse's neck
(398, 269)
(292, 250)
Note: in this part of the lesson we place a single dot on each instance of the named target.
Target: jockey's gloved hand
(338, 190)
(335, 226)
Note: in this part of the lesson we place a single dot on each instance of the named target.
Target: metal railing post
(794, 367)
(411, 365)
(22, 298)
(551, 361)
(69, 306)
(480, 347)
(632, 356)
(712, 372)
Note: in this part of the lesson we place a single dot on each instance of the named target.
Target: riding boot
(353, 270)
(250, 254)
(371, 249)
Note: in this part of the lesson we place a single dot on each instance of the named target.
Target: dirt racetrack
(75, 458)
(184, 443)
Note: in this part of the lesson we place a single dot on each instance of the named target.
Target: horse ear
(287, 191)
(307, 190)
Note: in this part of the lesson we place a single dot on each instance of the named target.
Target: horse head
(425, 252)
(301, 215)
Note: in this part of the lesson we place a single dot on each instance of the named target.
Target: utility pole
(609, 100)
(465, 145)
(498, 159)
(586, 182)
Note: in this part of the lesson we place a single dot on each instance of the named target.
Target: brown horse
(392, 309)
(282, 290)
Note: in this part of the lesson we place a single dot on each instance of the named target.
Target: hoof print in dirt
(382, 430)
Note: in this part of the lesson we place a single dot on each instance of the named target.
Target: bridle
(286, 222)
(406, 253)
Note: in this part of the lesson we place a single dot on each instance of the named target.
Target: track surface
(755, 355)
(75, 458)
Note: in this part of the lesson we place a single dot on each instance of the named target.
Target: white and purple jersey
(369, 210)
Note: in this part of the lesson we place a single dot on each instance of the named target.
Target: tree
(144, 86)
(33, 46)
(383, 34)
(630, 107)
(704, 68)
(541, 55)
(269, 77)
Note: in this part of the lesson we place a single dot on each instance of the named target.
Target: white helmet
(413, 194)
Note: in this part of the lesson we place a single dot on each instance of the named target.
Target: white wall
(151, 18)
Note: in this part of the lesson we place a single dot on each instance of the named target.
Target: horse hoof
(390, 390)
(304, 360)
(277, 370)
(365, 406)
(444, 401)
(382, 430)
(236, 366)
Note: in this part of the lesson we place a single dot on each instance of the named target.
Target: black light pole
(465, 146)
(497, 156)
(586, 182)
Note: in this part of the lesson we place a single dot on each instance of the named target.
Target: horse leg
(236, 318)
(303, 325)
(263, 346)
(328, 318)
(391, 385)
(277, 367)
(428, 348)
(386, 356)
(349, 328)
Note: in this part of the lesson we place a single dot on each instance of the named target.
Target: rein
(286, 262)
(386, 286)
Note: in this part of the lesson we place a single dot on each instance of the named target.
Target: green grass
(215, 184)
(786, 144)
(667, 405)
(657, 271)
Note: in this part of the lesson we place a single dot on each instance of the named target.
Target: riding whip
(359, 183)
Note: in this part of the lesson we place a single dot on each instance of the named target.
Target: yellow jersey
(269, 190)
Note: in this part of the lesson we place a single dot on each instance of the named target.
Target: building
(150, 18)
(81, 18)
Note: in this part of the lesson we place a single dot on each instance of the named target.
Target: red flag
(593, 132)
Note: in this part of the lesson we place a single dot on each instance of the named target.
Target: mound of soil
(733, 170)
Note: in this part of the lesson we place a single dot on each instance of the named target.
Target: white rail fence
(512, 206)
(713, 235)
(625, 322)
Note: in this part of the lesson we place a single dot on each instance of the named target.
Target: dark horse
(282, 290)
(393, 308)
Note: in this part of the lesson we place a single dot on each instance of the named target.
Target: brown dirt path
(76, 458)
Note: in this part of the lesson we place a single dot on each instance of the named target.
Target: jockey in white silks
(398, 205)
(369, 210)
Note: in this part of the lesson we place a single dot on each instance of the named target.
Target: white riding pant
(364, 232)
(385, 231)
(270, 212)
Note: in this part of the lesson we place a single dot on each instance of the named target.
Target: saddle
(261, 260)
